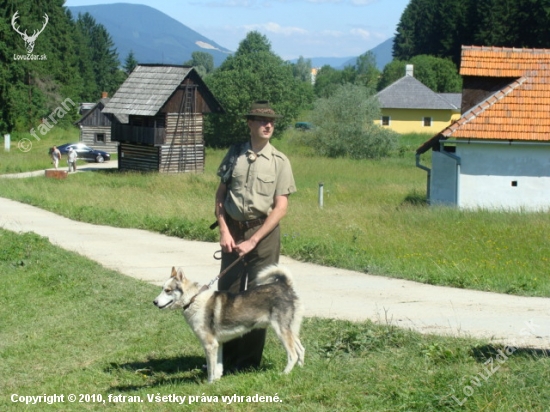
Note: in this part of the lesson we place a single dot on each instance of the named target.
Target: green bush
(345, 125)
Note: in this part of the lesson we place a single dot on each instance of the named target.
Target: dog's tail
(274, 273)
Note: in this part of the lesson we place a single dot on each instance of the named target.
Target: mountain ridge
(155, 37)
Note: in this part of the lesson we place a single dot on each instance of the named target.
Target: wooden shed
(165, 105)
(95, 126)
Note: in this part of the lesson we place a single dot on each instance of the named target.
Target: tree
(302, 69)
(104, 55)
(31, 89)
(440, 27)
(254, 72)
(414, 34)
(203, 62)
(366, 71)
(440, 75)
(329, 79)
(130, 62)
(345, 125)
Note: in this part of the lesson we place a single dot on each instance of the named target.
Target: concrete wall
(411, 120)
(504, 176)
(493, 176)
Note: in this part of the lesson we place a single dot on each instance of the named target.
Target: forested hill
(72, 58)
(440, 27)
(153, 36)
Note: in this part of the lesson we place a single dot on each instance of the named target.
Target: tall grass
(70, 326)
(374, 218)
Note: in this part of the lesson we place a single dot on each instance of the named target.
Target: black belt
(249, 224)
(242, 225)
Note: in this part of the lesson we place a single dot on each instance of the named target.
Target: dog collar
(202, 289)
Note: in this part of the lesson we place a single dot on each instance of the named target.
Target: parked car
(85, 152)
(303, 126)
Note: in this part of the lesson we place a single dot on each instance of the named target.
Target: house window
(385, 120)
(427, 121)
(100, 138)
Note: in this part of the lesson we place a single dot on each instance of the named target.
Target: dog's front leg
(219, 364)
(211, 349)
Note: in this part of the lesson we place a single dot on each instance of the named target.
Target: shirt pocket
(238, 180)
(265, 184)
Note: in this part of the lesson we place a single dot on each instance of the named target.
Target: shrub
(345, 125)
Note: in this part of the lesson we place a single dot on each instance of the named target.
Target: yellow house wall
(411, 120)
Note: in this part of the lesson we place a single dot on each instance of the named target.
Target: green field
(70, 326)
(374, 217)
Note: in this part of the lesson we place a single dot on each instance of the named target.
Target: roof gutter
(497, 142)
(429, 176)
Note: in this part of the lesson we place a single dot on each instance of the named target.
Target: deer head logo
(29, 40)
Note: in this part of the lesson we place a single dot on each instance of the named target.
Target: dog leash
(222, 273)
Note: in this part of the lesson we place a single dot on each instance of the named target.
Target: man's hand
(227, 242)
(245, 247)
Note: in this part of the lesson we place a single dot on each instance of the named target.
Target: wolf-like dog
(219, 316)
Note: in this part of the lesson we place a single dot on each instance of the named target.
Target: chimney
(409, 70)
(104, 95)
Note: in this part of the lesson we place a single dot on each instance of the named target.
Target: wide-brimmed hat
(261, 108)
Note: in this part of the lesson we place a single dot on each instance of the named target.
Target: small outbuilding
(95, 126)
(165, 105)
(497, 155)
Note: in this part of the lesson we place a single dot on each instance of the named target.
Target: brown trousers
(247, 350)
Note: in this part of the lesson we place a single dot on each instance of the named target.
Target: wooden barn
(165, 105)
(95, 126)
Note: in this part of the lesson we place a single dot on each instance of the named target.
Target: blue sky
(309, 28)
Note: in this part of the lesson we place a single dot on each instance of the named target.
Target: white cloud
(362, 2)
(276, 28)
(331, 33)
(362, 33)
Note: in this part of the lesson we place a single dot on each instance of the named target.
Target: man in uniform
(251, 200)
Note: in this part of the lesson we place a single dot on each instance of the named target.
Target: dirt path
(326, 292)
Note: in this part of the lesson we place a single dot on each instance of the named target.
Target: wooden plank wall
(96, 117)
(138, 157)
(183, 129)
(184, 148)
(87, 136)
(182, 159)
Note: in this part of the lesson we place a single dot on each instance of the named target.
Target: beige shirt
(254, 184)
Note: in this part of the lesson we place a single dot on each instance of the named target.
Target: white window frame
(382, 121)
(424, 121)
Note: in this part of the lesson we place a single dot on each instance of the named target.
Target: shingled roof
(519, 111)
(122, 118)
(146, 90)
(410, 93)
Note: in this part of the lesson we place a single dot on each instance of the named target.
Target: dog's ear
(174, 273)
(180, 275)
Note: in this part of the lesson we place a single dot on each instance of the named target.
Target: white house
(497, 155)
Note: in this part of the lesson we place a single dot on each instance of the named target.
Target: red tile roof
(520, 111)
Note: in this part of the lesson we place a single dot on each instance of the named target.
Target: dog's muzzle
(157, 304)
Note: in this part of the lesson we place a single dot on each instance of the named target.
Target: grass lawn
(374, 217)
(70, 326)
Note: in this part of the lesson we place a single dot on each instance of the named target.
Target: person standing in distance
(56, 156)
(71, 159)
(251, 200)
